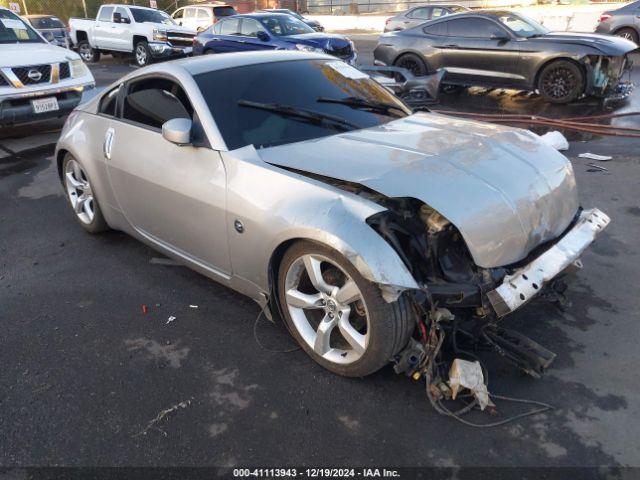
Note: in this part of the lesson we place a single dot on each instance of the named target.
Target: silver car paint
(466, 170)
(501, 187)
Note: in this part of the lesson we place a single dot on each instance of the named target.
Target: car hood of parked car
(14, 54)
(319, 39)
(607, 44)
(503, 189)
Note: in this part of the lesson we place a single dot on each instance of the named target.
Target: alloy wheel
(327, 309)
(86, 52)
(79, 191)
(559, 82)
(141, 55)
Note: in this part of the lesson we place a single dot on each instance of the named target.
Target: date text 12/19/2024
(315, 473)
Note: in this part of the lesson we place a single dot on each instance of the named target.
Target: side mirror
(117, 17)
(263, 36)
(499, 36)
(178, 131)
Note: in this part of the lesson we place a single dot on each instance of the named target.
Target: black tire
(142, 54)
(208, 51)
(87, 53)
(629, 34)
(389, 324)
(98, 223)
(413, 63)
(561, 81)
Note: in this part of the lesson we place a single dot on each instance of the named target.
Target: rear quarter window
(440, 28)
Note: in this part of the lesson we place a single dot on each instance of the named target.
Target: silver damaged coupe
(299, 181)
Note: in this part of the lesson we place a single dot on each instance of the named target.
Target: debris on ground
(153, 424)
(193, 306)
(593, 156)
(556, 140)
(466, 374)
(596, 168)
(164, 261)
(170, 319)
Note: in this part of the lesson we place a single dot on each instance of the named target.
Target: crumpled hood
(503, 189)
(322, 40)
(18, 54)
(607, 44)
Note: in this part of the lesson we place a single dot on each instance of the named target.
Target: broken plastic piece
(556, 140)
(465, 374)
(193, 306)
(593, 156)
(170, 319)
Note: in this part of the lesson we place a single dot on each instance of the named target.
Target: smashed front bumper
(160, 50)
(526, 282)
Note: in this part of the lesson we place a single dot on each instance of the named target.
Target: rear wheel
(81, 196)
(628, 33)
(87, 53)
(561, 81)
(142, 54)
(339, 318)
(413, 63)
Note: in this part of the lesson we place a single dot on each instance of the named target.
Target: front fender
(276, 206)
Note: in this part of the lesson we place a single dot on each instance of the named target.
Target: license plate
(188, 50)
(42, 105)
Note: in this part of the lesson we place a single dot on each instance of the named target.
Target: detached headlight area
(308, 48)
(160, 35)
(78, 68)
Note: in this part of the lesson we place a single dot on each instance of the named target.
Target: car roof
(262, 15)
(208, 5)
(439, 5)
(42, 15)
(130, 6)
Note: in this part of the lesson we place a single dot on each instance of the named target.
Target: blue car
(270, 31)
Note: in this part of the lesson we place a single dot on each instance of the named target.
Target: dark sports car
(507, 49)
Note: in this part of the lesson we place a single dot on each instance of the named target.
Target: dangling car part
(417, 92)
(328, 201)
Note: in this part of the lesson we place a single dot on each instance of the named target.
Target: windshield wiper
(309, 115)
(356, 102)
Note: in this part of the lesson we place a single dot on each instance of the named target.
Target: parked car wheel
(87, 53)
(142, 54)
(81, 196)
(561, 81)
(628, 33)
(339, 318)
(413, 63)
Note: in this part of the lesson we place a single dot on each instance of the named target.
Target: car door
(121, 37)
(416, 17)
(172, 195)
(189, 19)
(479, 50)
(249, 29)
(178, 16)
(204, 19)
(102, 27)
(228, 38)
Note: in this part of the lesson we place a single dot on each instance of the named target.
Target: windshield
(523, 26)
(284, 102)
(285, 25)
(14, 30)
(142, 15)
(224, 11)
(44, 23)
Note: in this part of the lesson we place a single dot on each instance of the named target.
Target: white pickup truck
(147, 33)
(37, 80)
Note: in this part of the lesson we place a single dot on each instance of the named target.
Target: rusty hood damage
(503, 189)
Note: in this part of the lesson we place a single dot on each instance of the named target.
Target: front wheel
(142, 54)
(561, 81)
(88, 53)
(628, 33)
(339, 318)
(413, 63)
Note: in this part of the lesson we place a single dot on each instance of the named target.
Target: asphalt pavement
(84, 372)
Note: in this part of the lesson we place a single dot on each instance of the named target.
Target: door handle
(108, 143)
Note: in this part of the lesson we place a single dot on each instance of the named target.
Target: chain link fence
(65, 9)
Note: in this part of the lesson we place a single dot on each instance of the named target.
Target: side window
(438, 12)
(109, 102)
(215, 28)
(471, 28)
(154, 101)
(230, 27)
(440, 28)
(123, 13)
(203, 14)
(420, 13)
(179, 14)
(189, 13)
(105, 14)
(249, 27)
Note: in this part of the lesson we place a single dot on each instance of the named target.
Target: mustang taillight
(604, 17)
